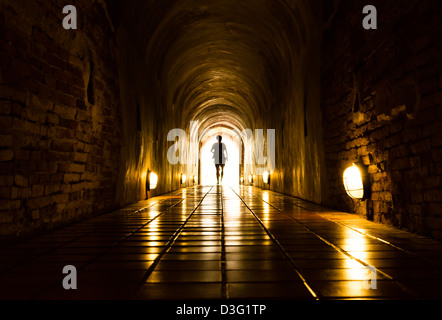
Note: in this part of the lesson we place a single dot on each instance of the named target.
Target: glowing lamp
(355, 181)
(242, 180)
(183, 178)
(194, 180)
(152, 180)
(266, 177)
(250, 178)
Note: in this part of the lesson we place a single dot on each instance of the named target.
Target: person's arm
(225, 149)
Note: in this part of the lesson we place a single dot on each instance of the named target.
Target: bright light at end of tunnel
(353, 183)
(231, 172)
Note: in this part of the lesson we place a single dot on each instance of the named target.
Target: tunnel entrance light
(355, 181)
(152, 180)
(183, 178)
(266, 177)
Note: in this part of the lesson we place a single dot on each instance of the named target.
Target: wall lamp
(194, 180)
(266, 177)
(250, 178)
(151, 180)
(241, 180)
(183, 178)
(356, 181)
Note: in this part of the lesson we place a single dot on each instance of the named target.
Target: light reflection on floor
(219, 242)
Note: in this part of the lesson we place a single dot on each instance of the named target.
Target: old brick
(65, 111)
(75, 187)
(80, 157)
(63, 133)
(6, 155)
(54, 60)
(434, 195)
(12, 78)
(6, 180)
(35, 214)
(76, 168)
(62, 146)
(5, 122)
(6, 217)
(436, 140)
(26, 126)
(5, 193)
(80, 104)
(5, 107)
(40, 202)
(52, 188)
(433, 182)
(65, 188)
(22, 154)
(63, 167)
(435, 209)
(432, 128)
(75, 71)
(392, 141)
(71, 177)
(5, 140)
(60, 198)
(21, 181)
(67, 123)
(52, 118)
(64, 99)
(36, 155)
(37, 190)
(432, 100)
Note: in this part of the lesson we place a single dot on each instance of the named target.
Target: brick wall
(382, 103)
(59, 115)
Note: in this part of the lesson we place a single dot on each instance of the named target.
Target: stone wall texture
(381, 98)
(60, 118)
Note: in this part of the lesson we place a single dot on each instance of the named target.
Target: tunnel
(330, 113)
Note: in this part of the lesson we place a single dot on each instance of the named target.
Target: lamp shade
(153, 180)
(266, 177)
(354, 182)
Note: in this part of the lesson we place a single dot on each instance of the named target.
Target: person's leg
(217, 173)
(222, 171)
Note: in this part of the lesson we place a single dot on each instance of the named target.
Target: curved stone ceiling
(223, 63)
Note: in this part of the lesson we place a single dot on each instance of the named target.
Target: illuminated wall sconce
(183, 178)
(355, 180)
(266, 177)
(151, 181)
(250, 178)
(242, 180)
(194, 180)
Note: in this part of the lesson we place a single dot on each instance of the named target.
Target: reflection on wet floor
(215, 242)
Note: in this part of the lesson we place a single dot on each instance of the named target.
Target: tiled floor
(221, 242)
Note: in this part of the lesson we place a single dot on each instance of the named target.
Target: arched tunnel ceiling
(219, 62)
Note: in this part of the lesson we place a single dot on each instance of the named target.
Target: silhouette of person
(219, 151)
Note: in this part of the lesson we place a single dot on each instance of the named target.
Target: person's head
(219, 138)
